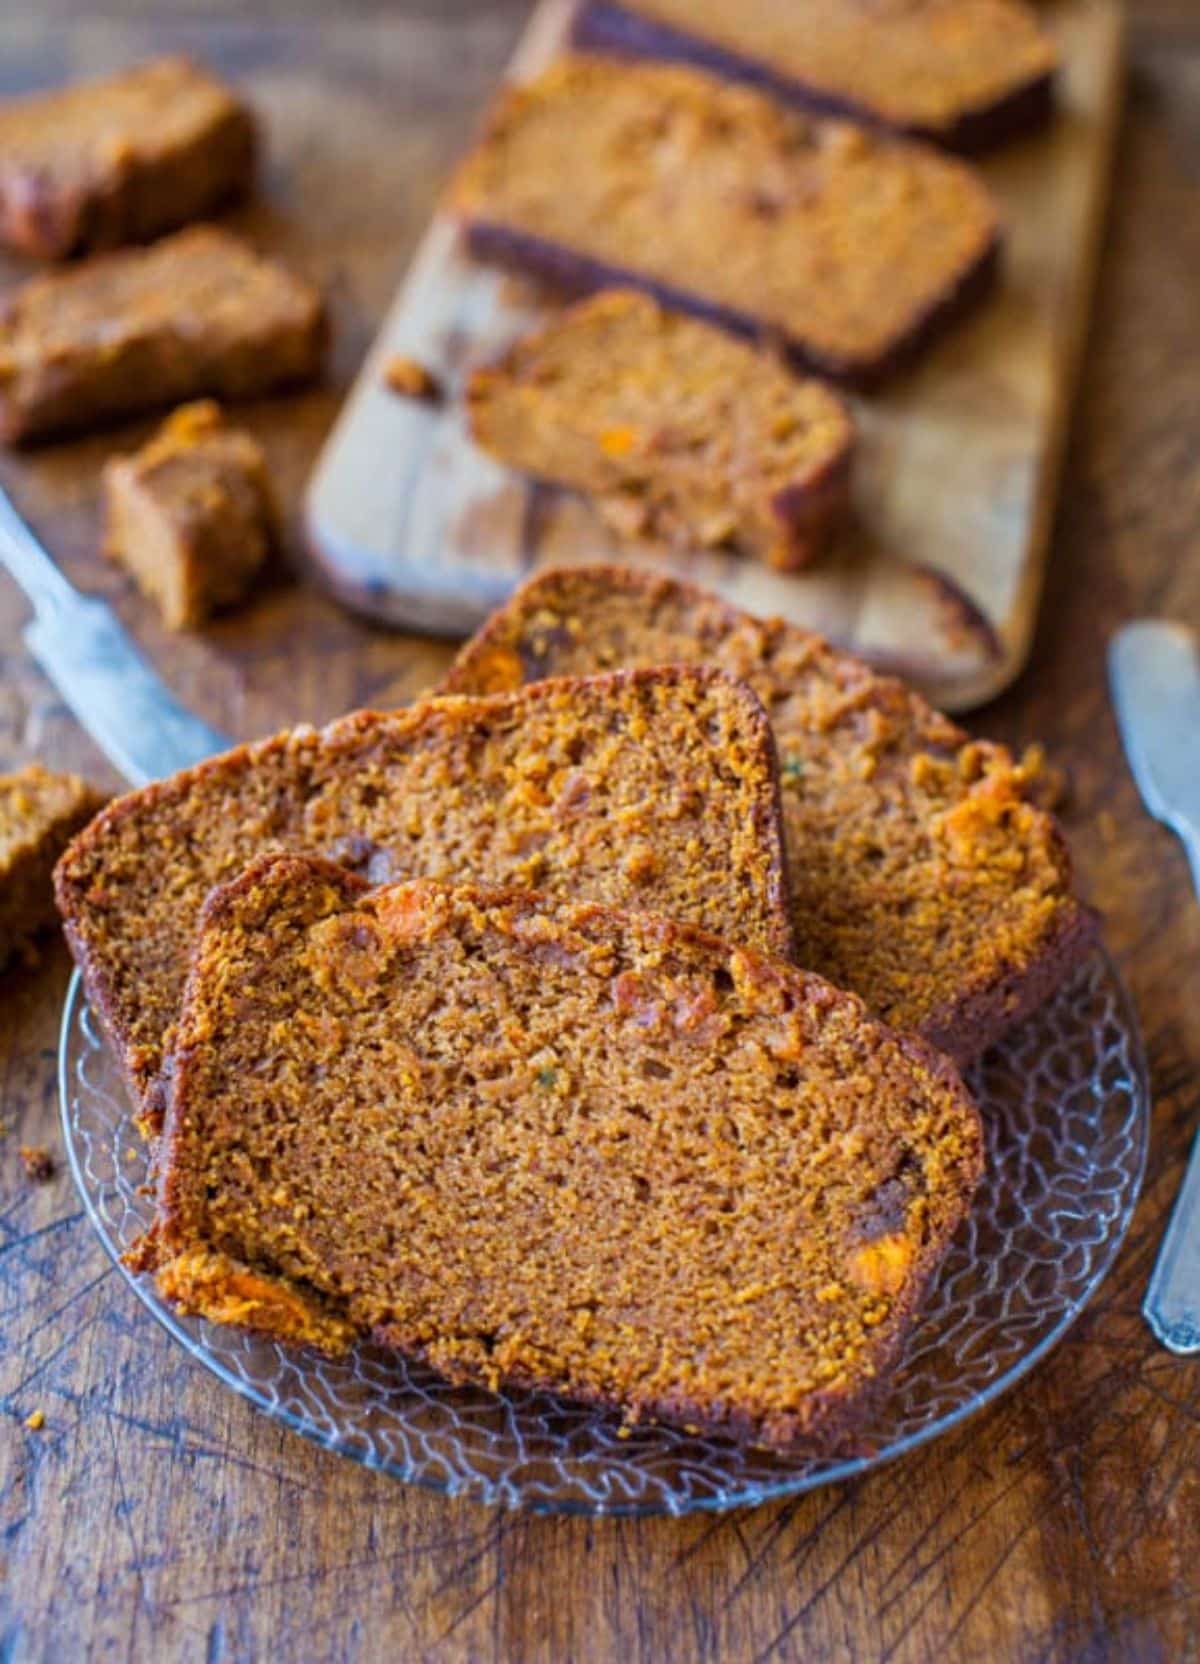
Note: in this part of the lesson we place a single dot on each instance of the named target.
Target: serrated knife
(1154, 672)
(109, 687)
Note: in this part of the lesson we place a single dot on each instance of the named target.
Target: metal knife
(1154, 672)
(110, 688)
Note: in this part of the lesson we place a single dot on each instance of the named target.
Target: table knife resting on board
(109, 687)
(1155, 674)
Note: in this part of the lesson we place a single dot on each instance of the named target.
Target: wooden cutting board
(938, 574)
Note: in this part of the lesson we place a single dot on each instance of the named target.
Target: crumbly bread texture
(410, 379)
(196, 313)
(121, 159)
(191, 515)
(922, 876)
(543, 1143)
(963, 73)
(675, 430)
(652, 789)
(847, 248)
(39, 813)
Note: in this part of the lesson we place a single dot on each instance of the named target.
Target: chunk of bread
(120, 158)
(192, 515)
(921, 875)
(676, 431)
(552, 1144)
(966, 74)
(196, 313)
(39, 813)
(647, 788)
(849, 249)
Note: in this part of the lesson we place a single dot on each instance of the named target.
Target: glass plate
(1065, 1103)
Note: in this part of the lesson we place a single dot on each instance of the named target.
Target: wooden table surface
(155, 1515)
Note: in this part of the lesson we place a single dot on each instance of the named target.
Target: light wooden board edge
(1078, 310)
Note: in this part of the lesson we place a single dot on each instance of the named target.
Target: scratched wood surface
(156, 1516)
(938, 572)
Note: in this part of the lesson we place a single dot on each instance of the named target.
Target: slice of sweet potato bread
(40, 812)
(121, 158)
(921, 876)
(674, 430)
(652, 788)
(553, 1144)
(848, 249)
(966, 74)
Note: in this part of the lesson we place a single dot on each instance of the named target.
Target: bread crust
(790, 190)
(40, 811)
(633, 406)
(964, 1019)
(196, 313)
(1026, 106)
(824, 1419)
(90, 167)
(298, 763)
(577, 274)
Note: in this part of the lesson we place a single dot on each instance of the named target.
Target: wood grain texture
(156, 1516)
(938, 573)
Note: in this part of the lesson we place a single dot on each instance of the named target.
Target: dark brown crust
(808, 513)
(130, 199)
(963, 616)
(605, 26)
(150, 1093)
(976, 1017)
(576, 273)
(206, 490)
(965, 1027)
(832, 1416)
(805, 511)
(89, 381)
(151, 1103)
(832, 1427)
(26, 889)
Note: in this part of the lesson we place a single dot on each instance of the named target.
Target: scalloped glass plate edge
(1001, 1075)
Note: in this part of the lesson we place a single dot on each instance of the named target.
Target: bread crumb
(35, 1420)
(411, 379)
(192, 515)
(1047, 784)
(39, 1163)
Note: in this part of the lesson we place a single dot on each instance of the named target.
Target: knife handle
(1172, 1303)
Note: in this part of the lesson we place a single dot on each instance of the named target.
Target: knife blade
(112, 691)
(1154, 672)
